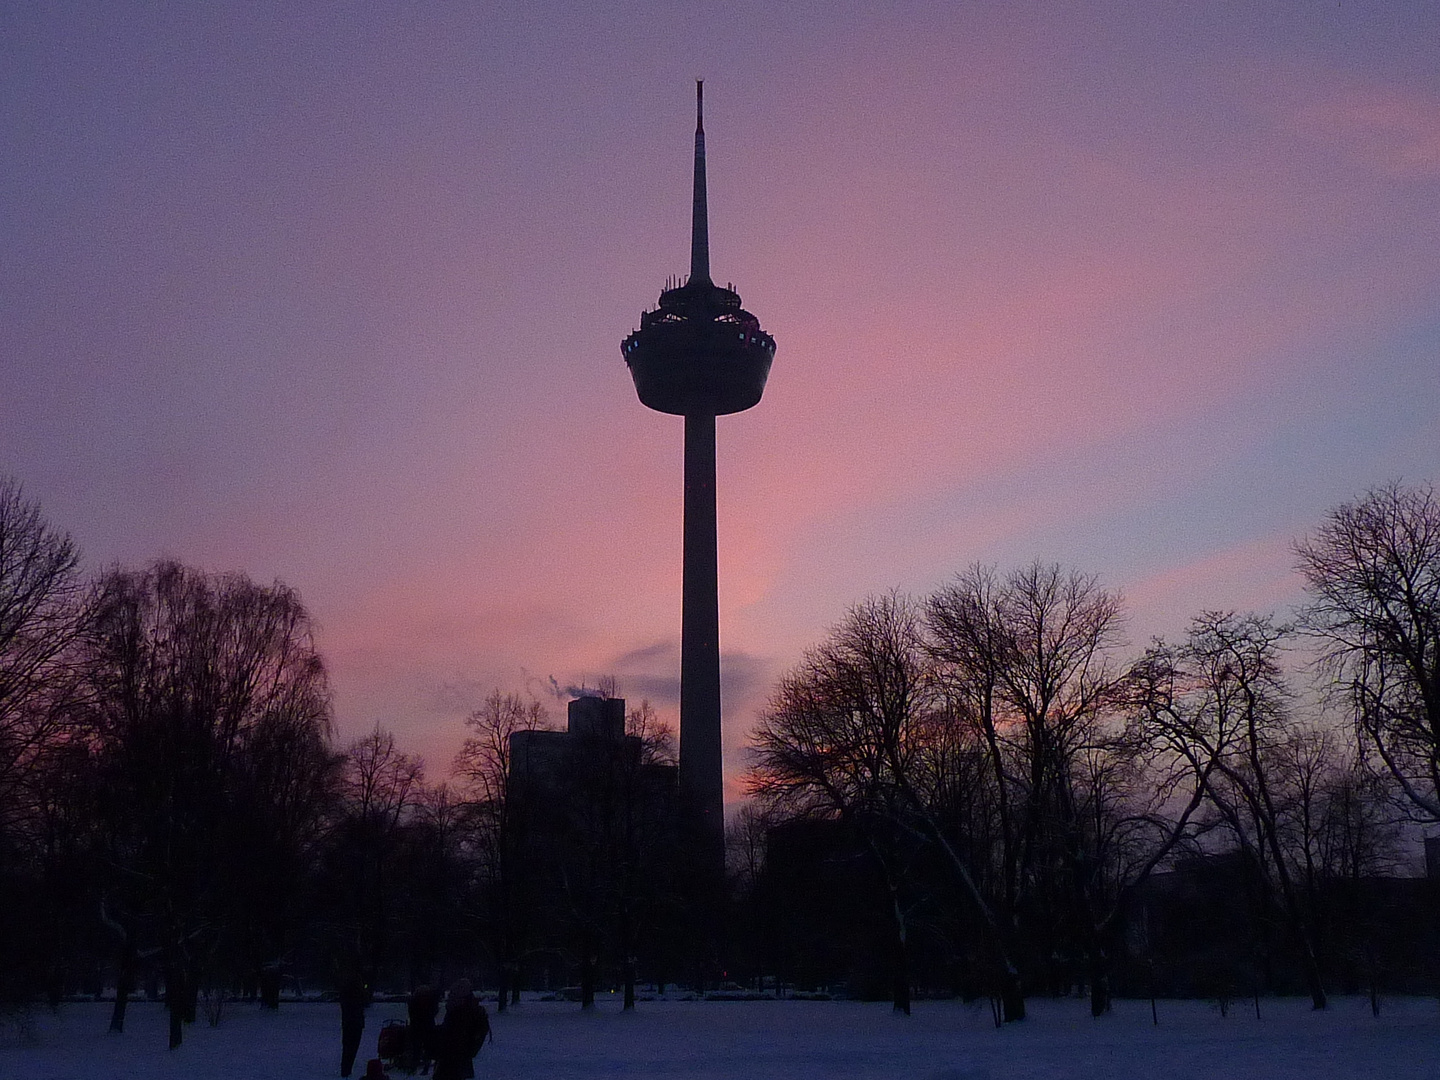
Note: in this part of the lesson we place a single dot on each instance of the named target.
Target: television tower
(700, 355)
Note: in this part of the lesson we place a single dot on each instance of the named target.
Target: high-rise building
(585, 848)
(700, 355)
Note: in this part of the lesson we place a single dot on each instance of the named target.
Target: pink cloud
(1390, 129)
(1255, 575)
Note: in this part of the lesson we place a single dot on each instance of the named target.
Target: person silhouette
(353, 999)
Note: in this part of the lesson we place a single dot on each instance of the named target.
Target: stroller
(395, 1047)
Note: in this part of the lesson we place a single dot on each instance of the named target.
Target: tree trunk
(175, 995)
(902, 978)
(1012, 997)
(1298, 922)
(124, 984)
(270, 988)
(1312, 973)
(55, 986)
(587, 981)
(1318, 1000)
(192, 996)
(177, 1028)
(1099, 984)
(902, 957)
(627, 945)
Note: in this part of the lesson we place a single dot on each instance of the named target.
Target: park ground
(771, 1040)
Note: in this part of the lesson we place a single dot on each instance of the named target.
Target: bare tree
(1337, 815)
(434, 880)
(646, 773)
(487, 774)
(1218, 709)
(1026, 665)
(1373, 572)
(286, 784)
(39, 619)
(1339, 826)
(846, 736)
(382, 787)
(1358, 834)
(42, 791)
(381, 782)
(745, 844)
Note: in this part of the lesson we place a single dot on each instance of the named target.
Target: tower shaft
(700, 355)
(701, 770)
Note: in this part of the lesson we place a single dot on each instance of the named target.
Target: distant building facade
(821, 918)
(596, 810)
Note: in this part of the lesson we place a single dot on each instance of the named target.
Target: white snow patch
(763, 1040)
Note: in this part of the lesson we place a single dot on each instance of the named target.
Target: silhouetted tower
(700, 355)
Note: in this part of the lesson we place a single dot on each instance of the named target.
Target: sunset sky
(333, 293)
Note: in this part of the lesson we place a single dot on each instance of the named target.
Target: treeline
(176, 816)
(982, 775)
(1013, 778)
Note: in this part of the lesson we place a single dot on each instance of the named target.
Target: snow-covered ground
(766, 1040)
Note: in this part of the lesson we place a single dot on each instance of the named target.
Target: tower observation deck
(700, 355)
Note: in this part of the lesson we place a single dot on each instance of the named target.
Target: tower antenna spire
(700, 355)
(699, 217)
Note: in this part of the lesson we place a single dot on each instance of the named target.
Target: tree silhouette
(1373, 572)
(1218, 707)
(39, 619)
(204, 696)
(498, 828)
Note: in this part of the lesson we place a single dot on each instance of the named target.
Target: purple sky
(335, 294)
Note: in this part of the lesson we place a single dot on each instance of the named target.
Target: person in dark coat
(423, 1006)
(460, 1034)
(353, 999)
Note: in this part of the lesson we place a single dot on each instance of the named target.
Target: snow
(770, 1040)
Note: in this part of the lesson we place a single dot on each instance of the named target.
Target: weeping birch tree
(206, 707)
